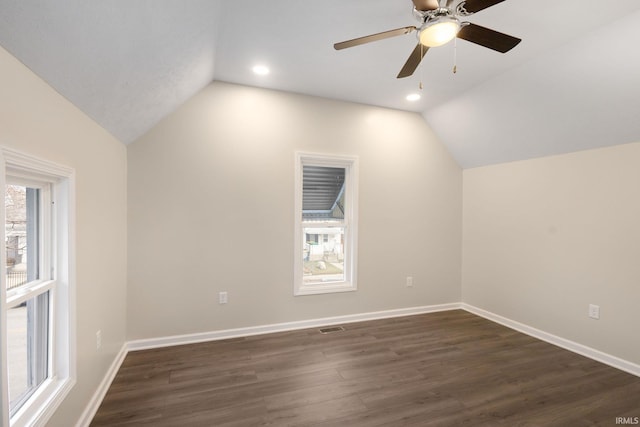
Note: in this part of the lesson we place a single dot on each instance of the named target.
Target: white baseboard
(144, 344)
(91, 409)
(281, 327)
(583, 350)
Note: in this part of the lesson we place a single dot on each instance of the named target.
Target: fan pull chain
(421, 68)
(455, 55)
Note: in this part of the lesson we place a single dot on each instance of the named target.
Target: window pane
(323, 254)
(322, 192)
(28, 341)
(17, 349)
(22, 235)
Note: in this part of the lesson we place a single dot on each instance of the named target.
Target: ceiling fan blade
(487, 37)
(373, 37)
(426, 4)
(413, 61)
(473, 6)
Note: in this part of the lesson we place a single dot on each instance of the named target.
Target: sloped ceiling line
(571, 84)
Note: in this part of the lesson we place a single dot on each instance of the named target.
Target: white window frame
(59, 279)
(45, 282)
(350, 164)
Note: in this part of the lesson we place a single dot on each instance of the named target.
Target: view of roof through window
(323, 193)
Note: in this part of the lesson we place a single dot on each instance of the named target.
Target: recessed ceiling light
(261, 70)
(413, 97)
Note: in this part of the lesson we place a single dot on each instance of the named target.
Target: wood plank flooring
(440, 369)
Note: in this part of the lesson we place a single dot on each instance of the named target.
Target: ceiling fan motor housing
(429, 15)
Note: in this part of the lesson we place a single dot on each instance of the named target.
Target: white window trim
(350, 163)
(52, 392)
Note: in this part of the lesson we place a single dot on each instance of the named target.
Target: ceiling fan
(440, 24)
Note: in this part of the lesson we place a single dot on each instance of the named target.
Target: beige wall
(545, 238)
(38, 121)
(211, 209)
(210, 198)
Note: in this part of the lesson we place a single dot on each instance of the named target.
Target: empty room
(339, 213)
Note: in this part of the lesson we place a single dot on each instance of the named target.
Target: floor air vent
(331, 330)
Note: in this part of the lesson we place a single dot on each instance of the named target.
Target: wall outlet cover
(223, 298)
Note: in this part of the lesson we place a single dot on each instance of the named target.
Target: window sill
(42, 405)
(324, 288)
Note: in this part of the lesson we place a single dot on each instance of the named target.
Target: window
(325, 224)
(37, 299)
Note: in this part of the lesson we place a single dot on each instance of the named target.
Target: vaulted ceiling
(572, 84)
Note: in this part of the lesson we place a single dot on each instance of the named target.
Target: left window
(37, 311)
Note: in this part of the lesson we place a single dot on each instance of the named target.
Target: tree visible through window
(36, 321)
(26, 235)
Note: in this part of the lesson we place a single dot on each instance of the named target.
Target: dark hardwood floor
(441, 369)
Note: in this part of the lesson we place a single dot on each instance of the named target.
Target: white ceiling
(572, 84)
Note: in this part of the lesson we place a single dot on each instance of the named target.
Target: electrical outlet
(223, 298)
(409, 281)
(594, 311)
(98, 339)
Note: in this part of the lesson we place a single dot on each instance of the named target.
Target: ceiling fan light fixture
(439, 31)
